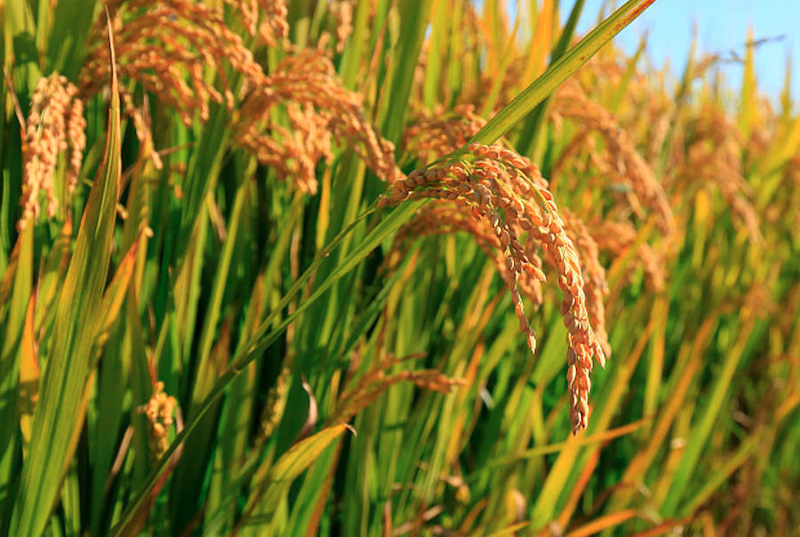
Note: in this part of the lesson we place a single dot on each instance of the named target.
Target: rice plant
(276, 267)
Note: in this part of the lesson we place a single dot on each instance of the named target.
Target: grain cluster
(506, 192)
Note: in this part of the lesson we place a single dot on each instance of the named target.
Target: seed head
(506, 195)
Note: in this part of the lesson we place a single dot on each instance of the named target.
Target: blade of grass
(28, 375)
(21, 28)
(67, 43)
(78, 310)
(630, 70)
(542, 41)
(500, 75)
(433, 65)
(597, 438)
(194, 462)
(569, 460)
(19, 275)
(656, 364)
(700, 432)
(747, 97)
(286, 469)
(533, 122)
(603, 523)
(686, 375)
(414, 15)
(715, 480)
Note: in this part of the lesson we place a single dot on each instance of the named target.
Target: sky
(721, 28)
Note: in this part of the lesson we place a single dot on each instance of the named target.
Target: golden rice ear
(617, 238)
(714, 156)
(172, 46)
(435, 133)
(595, 286)
(374, 383)
(623, 161)
(54, 124)
(159, 411)
(76, 134)
(342, 11)
(443, 217)
(320, 110)
(271, 27)
(274, 26)
(506, 192)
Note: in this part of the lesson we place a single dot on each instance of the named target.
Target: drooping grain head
(507, 193)
(437, 133)
(76, 133)
(442, 218)
(342, 11)
(620, 161)
(359, 394)
(713, 155)
(616, 238)
(595, 286)
(320, 110)
(173, 47)
(269, 22)
(276, 404)
(159, 412)
(55, 123)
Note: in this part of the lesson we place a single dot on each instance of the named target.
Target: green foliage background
(260, 308)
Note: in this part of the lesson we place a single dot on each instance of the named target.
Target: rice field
(390, 267)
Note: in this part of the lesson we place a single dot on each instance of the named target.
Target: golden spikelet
(272, 414)
(320, 110)
(342, 11)
(76, 133)
(443, 218)
(595, 286)
(508, 193)
(617, 238)
(273, 28)
(626, 165)
(376, 381)
(438, 133)
(159, 412)
(276, 13)
(171, 46)
(714, 153)
(55, 123)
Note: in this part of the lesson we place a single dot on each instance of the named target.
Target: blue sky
(721, 27)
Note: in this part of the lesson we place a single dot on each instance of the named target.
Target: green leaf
(194, 462)
(67, 369)
(67, 44)
(19, 277)
(414, 17)
(21, 28)
(698, 439)
(288, 467)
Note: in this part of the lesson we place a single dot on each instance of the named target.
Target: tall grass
(344, 268)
